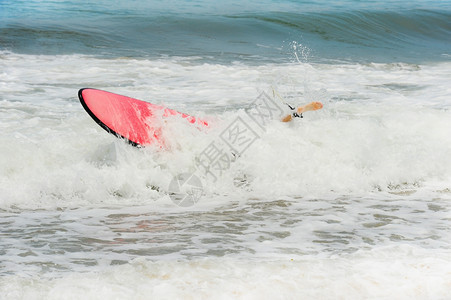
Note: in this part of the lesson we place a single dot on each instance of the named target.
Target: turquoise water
(408, 31)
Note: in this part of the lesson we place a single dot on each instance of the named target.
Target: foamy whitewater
(351, 202)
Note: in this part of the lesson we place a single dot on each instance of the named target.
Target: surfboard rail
(138, 122)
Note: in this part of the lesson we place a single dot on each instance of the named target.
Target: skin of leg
(308, 107)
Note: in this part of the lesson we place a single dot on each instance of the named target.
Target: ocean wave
(381, 30)
(404, 35)
(383, 129)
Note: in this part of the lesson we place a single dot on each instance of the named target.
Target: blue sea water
(401, 31)
(351, 202)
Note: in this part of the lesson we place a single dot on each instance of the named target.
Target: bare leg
(302, 109)
(310, 106)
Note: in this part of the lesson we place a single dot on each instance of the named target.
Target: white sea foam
(385, 273)
(384, 127)
(350, 202)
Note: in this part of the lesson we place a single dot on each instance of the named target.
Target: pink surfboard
(138, 122)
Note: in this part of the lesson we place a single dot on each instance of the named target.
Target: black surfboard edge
(101, 124)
